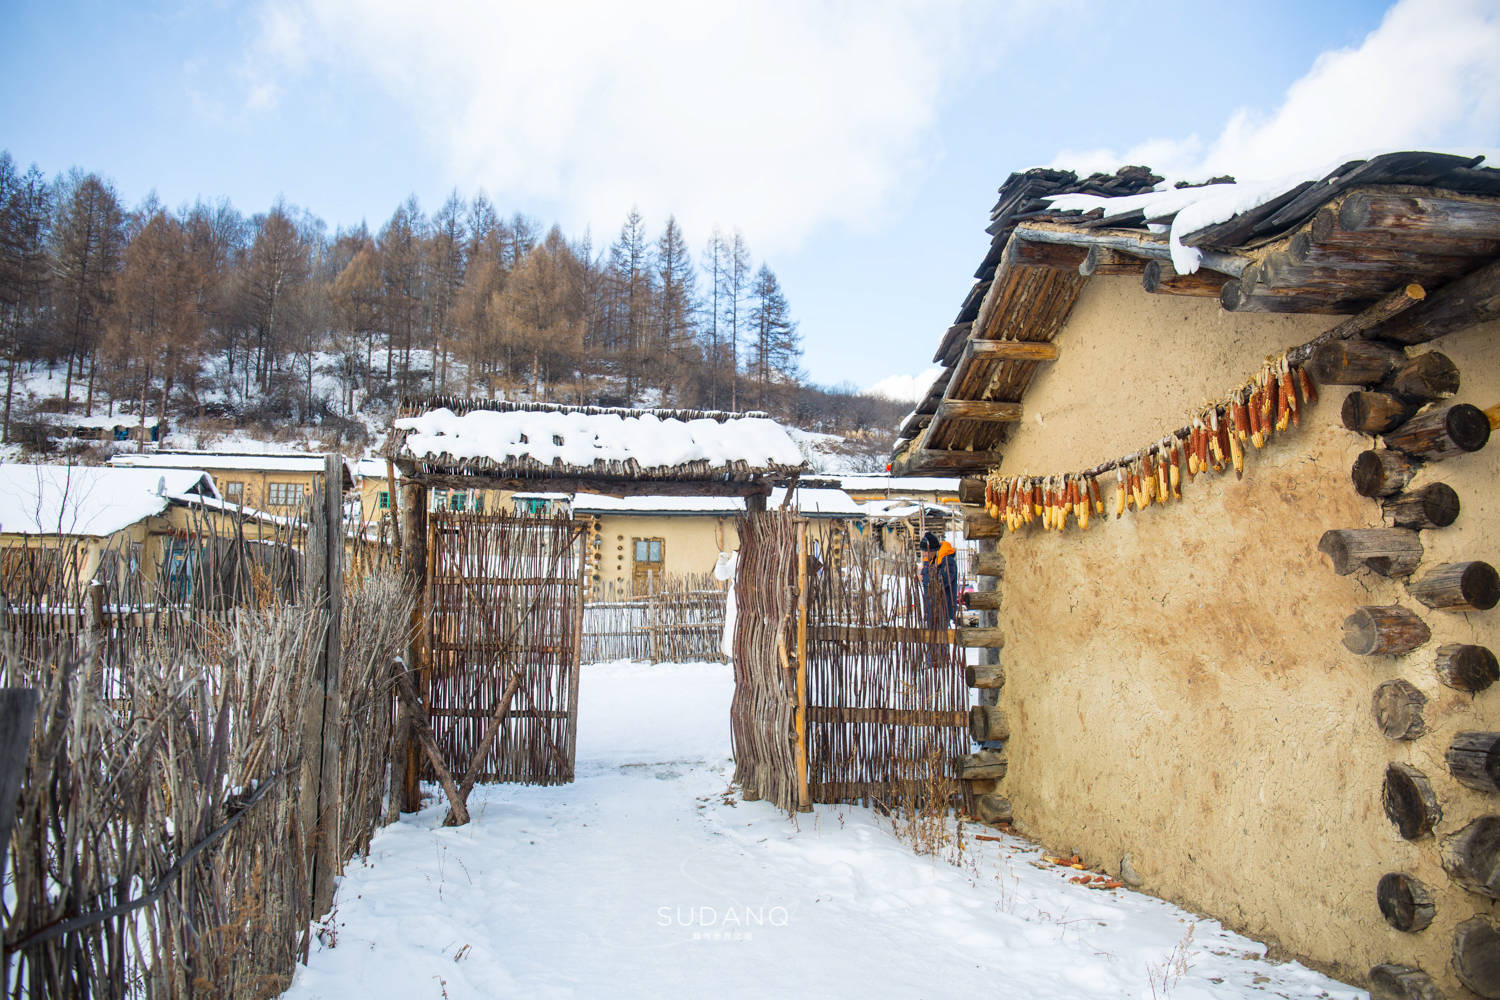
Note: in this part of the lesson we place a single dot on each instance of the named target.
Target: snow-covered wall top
(220, 460)
(88, 500)
(580, 439)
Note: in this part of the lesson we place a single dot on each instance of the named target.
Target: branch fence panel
(158, 849)
(886, 698)
(888, 702)
(506, 595)
(679, 620)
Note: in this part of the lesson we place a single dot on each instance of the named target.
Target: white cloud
(779, 116)
(1427, 78)
(905, 388)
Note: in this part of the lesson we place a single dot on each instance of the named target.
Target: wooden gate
(842, 691)
(506, 595)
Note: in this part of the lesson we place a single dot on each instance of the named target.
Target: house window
(234, 491)
(455, 501)
(285, 494)
(383, 500)
(182, 561)
(537, 506)
(479, 503)
(649, 560)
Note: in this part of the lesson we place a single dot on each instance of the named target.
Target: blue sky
(857, 145)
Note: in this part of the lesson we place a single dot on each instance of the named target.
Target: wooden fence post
(17, 712)
(323, 589)
(804, 797)
(414, 573)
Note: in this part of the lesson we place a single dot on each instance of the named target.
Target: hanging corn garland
(1214, 441)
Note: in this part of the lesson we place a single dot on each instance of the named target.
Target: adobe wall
(1175, 682)
(691, 545)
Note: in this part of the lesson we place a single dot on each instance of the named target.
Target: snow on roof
(895, 510)
(637, 444)
(372, 468)
(818, 502)
(219, 460)
(899, 484)
(89, 500)
(593, 503)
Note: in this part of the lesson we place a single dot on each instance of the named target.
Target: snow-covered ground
(648, 877)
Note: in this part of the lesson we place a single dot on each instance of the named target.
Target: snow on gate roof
(599, 449)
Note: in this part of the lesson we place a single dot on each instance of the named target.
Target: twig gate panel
(506, 595)
(887, 699)
(844, 691)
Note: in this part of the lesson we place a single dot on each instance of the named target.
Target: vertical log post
(17, 713)
(414, 575)
(804, 798)
(323, 588)
(391, 491)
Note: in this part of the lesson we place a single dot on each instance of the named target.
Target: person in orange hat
(939, 581)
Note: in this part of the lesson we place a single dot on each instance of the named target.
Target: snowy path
(645, 879)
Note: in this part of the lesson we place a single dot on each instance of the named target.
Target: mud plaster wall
(1175, 681)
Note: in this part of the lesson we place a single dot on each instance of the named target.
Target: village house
(636, 544)
(66, 524)
(276, 482)
(1230, 446)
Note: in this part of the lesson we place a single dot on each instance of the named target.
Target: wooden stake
(804, 798)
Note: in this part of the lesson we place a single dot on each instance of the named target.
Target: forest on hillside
(202, 311)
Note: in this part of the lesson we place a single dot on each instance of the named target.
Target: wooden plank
(1010, 350)
(804, 799)
(834, 714)
(918, 461)
(978, 409)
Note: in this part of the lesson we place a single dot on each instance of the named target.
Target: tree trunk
(1474, 760)
(1425, 378)
(1397, 707)
(1433, 506)
(1402, 982)
(986, 723)
(1476, 955)
(1409, 801)
(1391, 552)
(1381, 473)
(1353, 362)
(1466, 668)
(1384, 630)
(1439, 434)
(1375, 412)
(1404, 902)
(1471, 857)
(1461, 586)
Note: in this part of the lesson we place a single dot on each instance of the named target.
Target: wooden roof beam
(918, 461)
(989, 410)
(1008, 350)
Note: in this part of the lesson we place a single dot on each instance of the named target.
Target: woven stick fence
(161, 847)
(506, 595)
(888, 703)
(681, 619)
(762, 714)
